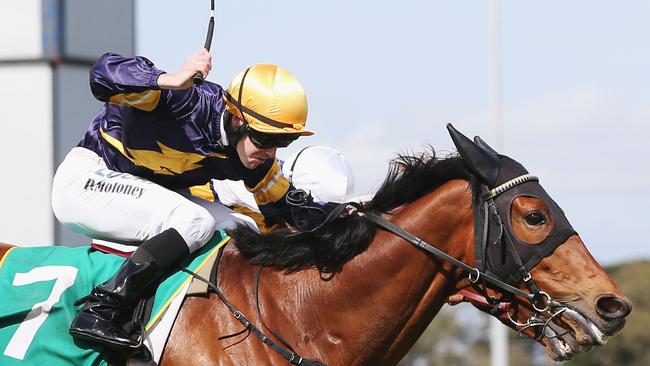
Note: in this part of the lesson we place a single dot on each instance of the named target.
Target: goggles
(270, 140)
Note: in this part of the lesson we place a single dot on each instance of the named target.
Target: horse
(361, 288)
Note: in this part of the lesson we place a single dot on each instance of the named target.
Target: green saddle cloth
(39, 286)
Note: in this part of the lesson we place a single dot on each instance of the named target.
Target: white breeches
(89, 198)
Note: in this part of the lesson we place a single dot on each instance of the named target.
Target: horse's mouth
(574, 333)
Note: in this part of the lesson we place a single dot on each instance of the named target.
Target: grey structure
(46, 51)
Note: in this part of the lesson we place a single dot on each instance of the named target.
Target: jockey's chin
(252, 156)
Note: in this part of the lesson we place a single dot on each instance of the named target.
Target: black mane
(409, 177)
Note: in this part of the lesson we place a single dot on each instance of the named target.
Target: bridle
(540, 301)
(475, 275)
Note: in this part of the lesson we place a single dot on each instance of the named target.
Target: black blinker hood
(497, 248)
(494, 255)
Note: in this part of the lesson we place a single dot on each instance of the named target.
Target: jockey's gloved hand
(306, 214)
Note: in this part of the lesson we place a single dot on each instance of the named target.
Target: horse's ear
(479, 141)
(482, 162)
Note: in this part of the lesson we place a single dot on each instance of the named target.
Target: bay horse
(353, 294)
(361, 289)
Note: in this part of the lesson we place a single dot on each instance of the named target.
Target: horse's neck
(384, 297)
(443, 219)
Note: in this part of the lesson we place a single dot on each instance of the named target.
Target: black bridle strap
(472, 271)
(525, 275)
(484, 238)
(259, 310)
(292, 357)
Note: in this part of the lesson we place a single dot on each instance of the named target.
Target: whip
(198, 78)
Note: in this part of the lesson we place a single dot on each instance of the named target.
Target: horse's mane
(409, 177)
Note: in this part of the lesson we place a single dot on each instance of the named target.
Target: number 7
(65, 277)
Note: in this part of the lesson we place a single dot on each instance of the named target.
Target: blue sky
(384, 77)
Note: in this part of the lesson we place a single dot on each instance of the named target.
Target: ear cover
(479, 141)
(483, 163)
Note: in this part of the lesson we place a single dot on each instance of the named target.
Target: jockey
(321, 171)
(156, 138)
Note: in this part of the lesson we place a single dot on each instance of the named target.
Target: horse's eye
(535, 219)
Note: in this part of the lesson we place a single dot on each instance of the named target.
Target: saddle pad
(39, 286)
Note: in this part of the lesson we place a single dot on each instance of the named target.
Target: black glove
(306, 214)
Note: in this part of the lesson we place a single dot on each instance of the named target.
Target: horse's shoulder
(231, 253)
(234, 266)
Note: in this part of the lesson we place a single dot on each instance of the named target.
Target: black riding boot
(100, 319)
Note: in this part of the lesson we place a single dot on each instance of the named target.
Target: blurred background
(563, 87)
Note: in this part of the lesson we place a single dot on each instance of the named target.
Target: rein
(474, 274)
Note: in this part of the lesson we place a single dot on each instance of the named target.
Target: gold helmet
(269, 99)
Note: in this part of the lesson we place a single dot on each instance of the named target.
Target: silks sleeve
(236, 201)
(270, 192)
(127, 81)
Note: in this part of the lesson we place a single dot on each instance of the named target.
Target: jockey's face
(252, 156)
(256, 147)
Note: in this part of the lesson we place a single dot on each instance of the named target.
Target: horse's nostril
(612, 307)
